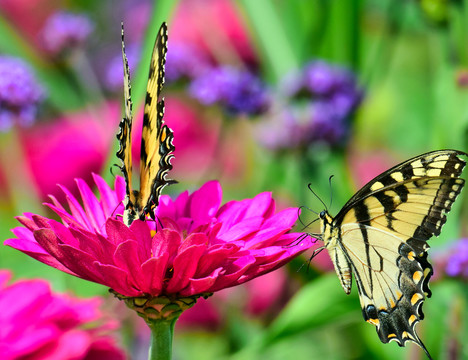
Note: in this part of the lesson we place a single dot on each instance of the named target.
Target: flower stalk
(162, 333)
(160, 314)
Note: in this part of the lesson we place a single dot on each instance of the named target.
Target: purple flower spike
(196, 246)
(20, 93)
(320, 78)
(457, 262)
(184, 62)
(64, 31)
(240, 92)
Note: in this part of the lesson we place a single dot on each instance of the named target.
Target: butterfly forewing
(125, 130)
(383, 230)
(157, 139)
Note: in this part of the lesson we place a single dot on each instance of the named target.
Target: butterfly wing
(384, 230)
(125, 132)
(156, 143)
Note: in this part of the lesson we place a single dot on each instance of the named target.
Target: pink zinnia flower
(38, 324)
(195, 247)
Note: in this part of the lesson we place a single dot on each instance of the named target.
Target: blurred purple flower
(184, 62)
(64, 31)
(240, 92)
(298, 126)
(319, 78)
(39, 324)
(20, 93)
(323, 97)
(457, 261)
(113, 75)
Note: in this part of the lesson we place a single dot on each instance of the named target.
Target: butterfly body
(156, 151)
(381, 234)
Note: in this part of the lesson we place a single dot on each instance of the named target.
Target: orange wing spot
(390, 336)
(416, 297)
(411, 255)
(417, 276)
(404, 334)
(392, 303)
(412, 319)
(163, 135)
(375, 322)
(398, 294)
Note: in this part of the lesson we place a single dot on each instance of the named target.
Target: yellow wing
(381, 236)
(156, 142)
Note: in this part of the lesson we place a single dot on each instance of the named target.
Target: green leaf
(277, 52)
(320, 303)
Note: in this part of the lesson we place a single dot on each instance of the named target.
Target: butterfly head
(326, 224)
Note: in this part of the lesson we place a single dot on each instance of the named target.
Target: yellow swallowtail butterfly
(381, 236)
(156, 140)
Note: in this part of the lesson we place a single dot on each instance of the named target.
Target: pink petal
(126, 257)
(185, 266)
(108, 197)
(76, 209)
(116, 279)
(202, 285)
(117, 231)
(166, 242)
(91, 204)
(233, 272)
(214, 257)
(154, 271)
(284, 219)
(204, 202)
(260, 205)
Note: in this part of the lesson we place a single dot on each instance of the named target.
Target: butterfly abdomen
(331, 236)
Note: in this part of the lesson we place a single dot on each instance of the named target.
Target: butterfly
(381, 236)
(157, 148)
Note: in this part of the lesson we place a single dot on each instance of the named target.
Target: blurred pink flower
(196, 247)
(194, 21)
(38, 324)
(255, 298)
(29, 16)
(367, 166)
(69, 147)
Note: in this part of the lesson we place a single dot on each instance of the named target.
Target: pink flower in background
(256, 297)
(194, 21)
(367, 166)
(70, 147)
(195, 247)
(38, 324)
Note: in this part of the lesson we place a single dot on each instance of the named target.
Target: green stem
(162, 333)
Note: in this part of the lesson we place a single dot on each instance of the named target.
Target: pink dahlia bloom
(195, 247)
(40, 324)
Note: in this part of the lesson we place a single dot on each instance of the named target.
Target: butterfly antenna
(331, 192)
(313, 192)
(299, 213)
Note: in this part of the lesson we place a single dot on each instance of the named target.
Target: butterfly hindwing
(157, 147)
(381, 236)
